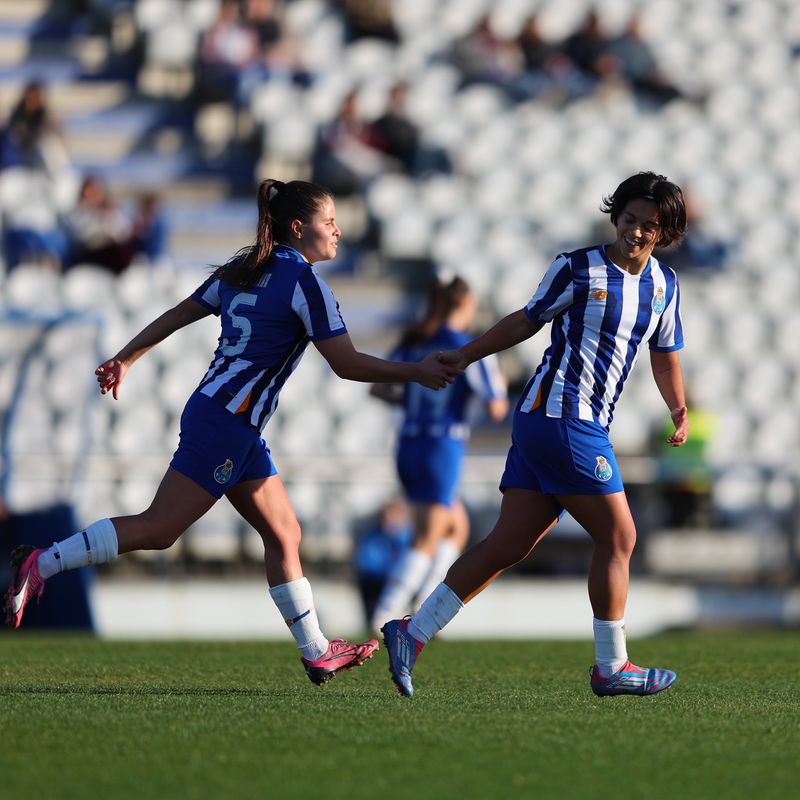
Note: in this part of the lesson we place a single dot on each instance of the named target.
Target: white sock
(444, 558)
(435, 613)
(296, 604)
(402, 584)
(96, 544)
(610, 648)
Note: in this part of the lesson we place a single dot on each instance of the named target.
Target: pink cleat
(26, 582)
(630, 679)
(340, 655)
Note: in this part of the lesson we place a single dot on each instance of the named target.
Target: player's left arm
(669, 380)
(111, 373)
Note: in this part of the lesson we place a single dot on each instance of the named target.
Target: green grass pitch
(87, 718)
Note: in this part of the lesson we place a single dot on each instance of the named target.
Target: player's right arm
(349, 363)
(510, 331)
(111, 373)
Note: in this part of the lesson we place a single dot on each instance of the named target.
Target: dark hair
(279, 204)
(443, 297)
(667, 196)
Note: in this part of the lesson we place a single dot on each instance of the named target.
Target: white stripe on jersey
(490, 386)
(300, 307)
(211, 294)
(258, 408)
(210, 389)
(241, 395)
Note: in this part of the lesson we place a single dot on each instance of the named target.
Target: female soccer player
(432, 443)
(271, 303)
(605, 302)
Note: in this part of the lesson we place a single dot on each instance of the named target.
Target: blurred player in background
(432, 443)
(605, 303)
(271, 303)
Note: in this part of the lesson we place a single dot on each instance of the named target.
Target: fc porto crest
(222, 474)
(602, 470)
(659, 301)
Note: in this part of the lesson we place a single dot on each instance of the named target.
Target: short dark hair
(666, 195)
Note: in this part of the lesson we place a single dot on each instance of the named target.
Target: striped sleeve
(314, 303)
(208, 295)
(668, 335)
(485, 378)
(554, 293)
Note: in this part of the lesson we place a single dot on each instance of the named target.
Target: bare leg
(459, 526)
(179, 502)
(448, 549)
(265, 505)
(432, 523)
(525, 518)
(608, 520)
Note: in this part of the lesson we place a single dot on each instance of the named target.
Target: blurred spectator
(345, 158)
(588, 51)
(149, 230)
(99, 232)
(32, 138)
(546, 68)
(637, 66)
(394, 134)
(30, 218)
(227, 49)
(685, 476)
(482, 56)
(702, 248)
(378, 548)
(281, 52)
(368, 19)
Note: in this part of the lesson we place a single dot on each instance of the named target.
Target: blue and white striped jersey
(443, 412)
(601, 316)
(265, 331)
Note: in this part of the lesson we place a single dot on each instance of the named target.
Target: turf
(82, 717)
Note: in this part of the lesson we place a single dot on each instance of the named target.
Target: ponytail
(443, 298)
(279, 204)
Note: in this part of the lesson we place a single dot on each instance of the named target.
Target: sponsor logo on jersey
(602, 470)
(659, 301)
(599, 294)
(222, 474)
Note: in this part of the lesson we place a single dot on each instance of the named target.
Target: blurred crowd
(52, 214)
(528, 64)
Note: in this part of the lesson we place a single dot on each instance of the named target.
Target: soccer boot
(339, 655)
(403, 650)
(630, 679)
(26, 582)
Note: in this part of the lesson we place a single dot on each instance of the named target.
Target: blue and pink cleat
(630, 679)
(403, 651)
(26, 582)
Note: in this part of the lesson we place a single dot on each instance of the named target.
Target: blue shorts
(429, 468)
(560, 456)
(218, 449)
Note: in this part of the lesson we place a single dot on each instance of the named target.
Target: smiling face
(317, 239)
(638, 232)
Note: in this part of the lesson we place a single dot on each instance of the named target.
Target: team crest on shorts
(602, 471)
(222, 474)
(659, 301)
